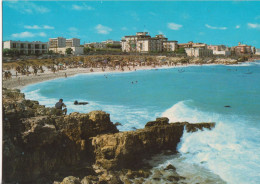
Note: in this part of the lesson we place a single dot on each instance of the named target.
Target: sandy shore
(21, 81)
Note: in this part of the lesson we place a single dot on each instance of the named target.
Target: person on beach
(65, 75)
(59, 105)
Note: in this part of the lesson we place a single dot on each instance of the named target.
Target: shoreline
(14, 82)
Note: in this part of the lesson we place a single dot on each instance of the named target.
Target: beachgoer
(65, 75)
(60, 104)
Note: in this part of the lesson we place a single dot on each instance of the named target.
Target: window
(141, 46)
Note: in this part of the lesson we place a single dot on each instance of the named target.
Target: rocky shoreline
(42, 146)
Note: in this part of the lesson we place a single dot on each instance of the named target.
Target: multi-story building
(196, 49)
(170, 46)
(73, 42)
(25, 47)
(60, 44)
(220, 50)
(57, 42)
(143, 42)
(257, 51)
(102, 45)
(242, 49)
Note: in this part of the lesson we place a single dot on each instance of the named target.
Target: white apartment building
(60, 44)
(170, 46)
(25, 47)
(57, 42)
(143, 42)
(198, 52)
(62, 50)
(73, 42)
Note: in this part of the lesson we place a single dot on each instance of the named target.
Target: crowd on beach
(20, 73)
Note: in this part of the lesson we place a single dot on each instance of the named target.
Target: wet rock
(71, 180)
(118, 124)
(170, 167)
(158, 122)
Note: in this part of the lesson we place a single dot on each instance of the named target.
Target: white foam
(229, 150)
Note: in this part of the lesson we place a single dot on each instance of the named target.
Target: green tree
(86, 50)
(68, 51)
(180, 51)
(50, 52)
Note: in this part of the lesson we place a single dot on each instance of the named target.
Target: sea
(228, 95)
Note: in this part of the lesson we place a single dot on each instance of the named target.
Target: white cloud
(253, 26)
(38, 27)
(124, 28)
(212, 27)
(237, 26)
(47, 27)
(160, 32)
(103, 29)
(27, 34)
(32, 27)
(42, 34)
(174, 26)
(27, 7)
(82, 7)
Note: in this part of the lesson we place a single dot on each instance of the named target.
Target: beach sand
(21, 81)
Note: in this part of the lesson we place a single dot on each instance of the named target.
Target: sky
(211, 22)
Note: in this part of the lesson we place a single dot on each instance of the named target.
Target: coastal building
(242, 49)
(60, 44)
(196, 49)
(62, 50)
(103, 44)
(73, 42)
(57, 42)
(142, 42)
(170, 46)
(257, 51)
(220, 50)
(27, 48)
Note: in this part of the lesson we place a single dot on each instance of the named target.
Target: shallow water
(193, 94)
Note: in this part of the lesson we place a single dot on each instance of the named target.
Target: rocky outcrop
(40, 145)
(127, 149)
(39, 141)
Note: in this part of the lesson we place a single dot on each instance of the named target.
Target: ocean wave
(231, 150)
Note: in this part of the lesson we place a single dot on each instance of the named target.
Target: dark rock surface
(40, 145)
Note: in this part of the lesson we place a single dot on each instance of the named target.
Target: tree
(86, 50)
(50, 52)
(180, 51)
(68, 51)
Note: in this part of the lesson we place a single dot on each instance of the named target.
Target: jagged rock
(118, 124)
(39, 141)
(158, 122)
(170, 167)
(127, 149)
(71, 180)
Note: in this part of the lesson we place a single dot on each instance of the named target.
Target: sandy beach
(23, 80)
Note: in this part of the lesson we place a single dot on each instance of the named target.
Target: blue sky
(211, 22)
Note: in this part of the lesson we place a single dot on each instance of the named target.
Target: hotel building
(25, 47)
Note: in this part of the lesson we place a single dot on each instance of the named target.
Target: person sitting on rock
(59, 105)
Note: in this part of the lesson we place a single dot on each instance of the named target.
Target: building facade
(57, 42)
(170, 46)
(142, 42)
(102, 45)
(73, 42)
(242, 49)
(27, 48)
(62, 50)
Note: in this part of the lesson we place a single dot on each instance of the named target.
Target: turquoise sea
(193, 94)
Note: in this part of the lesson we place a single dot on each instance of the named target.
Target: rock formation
(40, 145)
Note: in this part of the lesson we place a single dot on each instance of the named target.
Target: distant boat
(80, 103)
